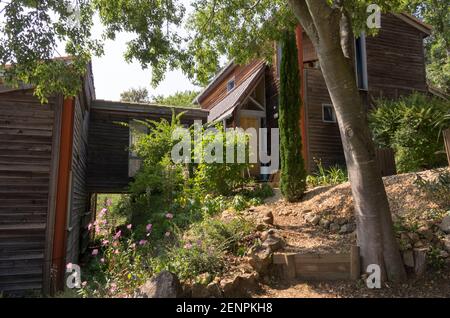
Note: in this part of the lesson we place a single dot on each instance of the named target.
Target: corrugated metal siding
(26, 129)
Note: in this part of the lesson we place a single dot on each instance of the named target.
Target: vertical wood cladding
(324, 139)
(26, 130)
(395, 59)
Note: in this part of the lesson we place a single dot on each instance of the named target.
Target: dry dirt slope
(324, 222)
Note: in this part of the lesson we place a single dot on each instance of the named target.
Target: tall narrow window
(134, 162)
(361, 62)
(328, 115)
(230, 85)
(279, 51)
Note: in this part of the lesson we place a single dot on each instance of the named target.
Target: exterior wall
(240, 73)
(108, 154)
(79, 198)
(324, 139)
(27, 130)
(395, 59)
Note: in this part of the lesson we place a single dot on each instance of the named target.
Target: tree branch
(302, 13)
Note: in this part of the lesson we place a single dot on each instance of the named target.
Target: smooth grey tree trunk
(330, 34)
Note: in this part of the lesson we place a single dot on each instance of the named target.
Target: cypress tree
(293, 173)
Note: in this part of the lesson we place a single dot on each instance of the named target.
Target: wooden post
(355, 265)
(289, 270)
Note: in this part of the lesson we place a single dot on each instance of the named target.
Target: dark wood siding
(26, 131)
(109, 141)
(324, 139)
(79, 198)
(240, 73)
(395, 59)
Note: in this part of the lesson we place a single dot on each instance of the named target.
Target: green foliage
(327, 176)
(182, 99)
(293, 173)
(135, 95)
(408, 125)
(220, 177)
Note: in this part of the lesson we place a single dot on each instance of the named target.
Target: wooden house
(390, 64)
(53, 157)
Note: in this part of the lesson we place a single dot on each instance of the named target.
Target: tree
(437, 14)
(135, 95)
(239, 29)
(293, 173)
(183, 99)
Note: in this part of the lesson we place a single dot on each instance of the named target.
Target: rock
(346, 228)
(265, 234)
(443, 254)
(334, 227)
(420, 261)
(445, 224)
(239, 286)
(163, 285)
(274, 243)
(260, 259)
(426, 233)
(199, 291)
(268, 218)
(214, 290)
(446, 242)
(419, 244)
(408, 258)
(414, 237)
(260, 227)
(325, 223)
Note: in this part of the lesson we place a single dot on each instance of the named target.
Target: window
(230, 85)
(361, 62)
(134, 162)
(328, 115)
(279, 52)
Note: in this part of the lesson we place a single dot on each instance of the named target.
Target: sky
(112, 75)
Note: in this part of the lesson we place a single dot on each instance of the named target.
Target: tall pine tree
(293, 173)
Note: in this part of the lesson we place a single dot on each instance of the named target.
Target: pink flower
(188, 246)
(89, 227)
(133, 246)
(102, 260)
(167, 234)
(105, 242)
(116, 252)
(83, 284)
(94, 252)
(102, 212)
(69, 265)
(142, 242)
(118, 235)
(149, 227)
(97, 229)
(113, 288)
(129, 226)
(169, 216)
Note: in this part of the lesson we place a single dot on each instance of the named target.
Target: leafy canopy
(165, 36)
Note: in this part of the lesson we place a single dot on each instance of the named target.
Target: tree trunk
(374, 223)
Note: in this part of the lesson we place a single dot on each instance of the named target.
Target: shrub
(293, 173)
(323, 177)
(411, 126)
(221, 178)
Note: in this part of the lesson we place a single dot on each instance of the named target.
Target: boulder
(334, 227)
(268, 218)
(445, 224)
(239, 286)
(346, 228)
(274, 243)
(260, 259)
(163, 285)
(408, 258)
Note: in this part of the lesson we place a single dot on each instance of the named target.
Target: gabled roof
(226, 106)
(413, 21)
(216, 80)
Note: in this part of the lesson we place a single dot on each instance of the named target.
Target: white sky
(112, 75)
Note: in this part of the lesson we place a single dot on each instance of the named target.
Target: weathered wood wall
(324, 139)
(26, 131)
(109, 141)
(395, 59)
